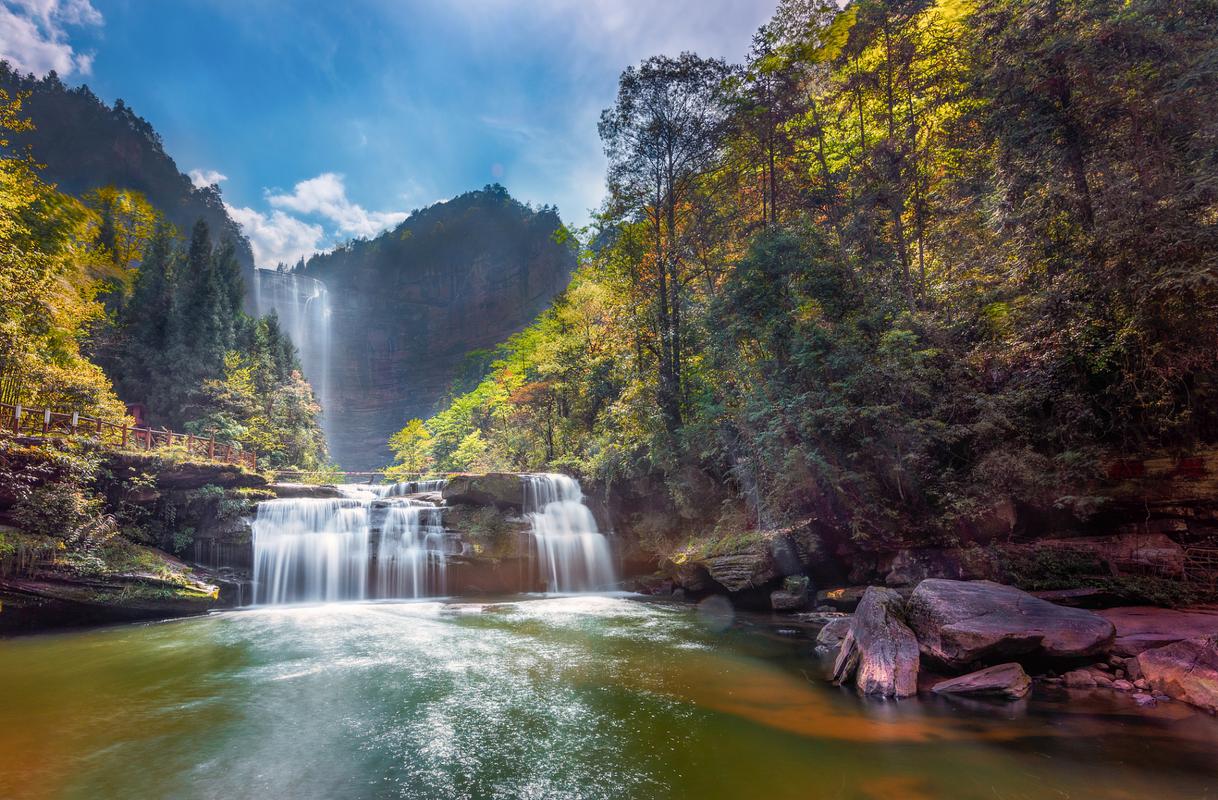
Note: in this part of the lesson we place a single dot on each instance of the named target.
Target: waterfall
(572, 554)
(303, 307)
(358, 547)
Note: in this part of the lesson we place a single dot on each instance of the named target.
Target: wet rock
(1004, 680)
(1133, 670)
(962, 623)
(1079, 679)
(1144, 700)
(503, 490)
(879, 649)
(1121, 685)
(792, 596)
(1186, 670)
(305, 490)
(1141, 683)
(845, 599)
(829, 639)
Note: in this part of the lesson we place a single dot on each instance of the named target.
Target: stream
(536, 697)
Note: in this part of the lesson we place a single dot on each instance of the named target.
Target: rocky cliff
(407, 308)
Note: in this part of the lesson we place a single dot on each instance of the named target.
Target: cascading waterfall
(572, 554)
(361, 546)
(303, 307)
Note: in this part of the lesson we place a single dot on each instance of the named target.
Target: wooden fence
(40, 422)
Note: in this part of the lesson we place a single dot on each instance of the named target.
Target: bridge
(44, 423)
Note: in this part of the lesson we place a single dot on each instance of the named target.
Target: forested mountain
(411, 308)
(106, 303)
(83, 144)
(911, 263)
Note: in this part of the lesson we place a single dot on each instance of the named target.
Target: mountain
(406, 309)
(85, 144)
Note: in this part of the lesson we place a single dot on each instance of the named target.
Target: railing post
(124, 445)
(190, 442)
(17, 419)
(75, 422)
(169, 438)
(46, 422)
(211, 446)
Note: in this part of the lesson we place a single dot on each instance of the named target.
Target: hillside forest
(908, 262)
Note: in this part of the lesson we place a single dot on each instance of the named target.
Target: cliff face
(407, 308)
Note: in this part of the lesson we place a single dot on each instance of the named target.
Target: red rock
(962, 623)
(1004, 680)
(879, 647)
(1186, 670)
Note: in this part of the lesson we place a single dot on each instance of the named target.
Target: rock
(792, 596)
(1079, 679)
(749, 561)
(1005, 680)
(293, 490)
(1160, 697)
(1077, 598)
(1144, 700)
(961, 623)
(1186, 670)
(829, 639)
(879, 649)
(1140, 628)
(908, 567)
(1142, 684)
(1124, 686)
(1102, 680)
(1133, 670)
(1102, 667)
(503, 490)
(846, 599)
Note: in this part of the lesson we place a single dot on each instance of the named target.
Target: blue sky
(327, 120)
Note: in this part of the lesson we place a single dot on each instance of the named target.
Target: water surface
(570, 697)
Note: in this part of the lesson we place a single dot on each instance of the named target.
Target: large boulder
(1008, 681)
(829, 639)
(1186, 670)
(503, 490)
(1140, 628)
(964, 623)
(879, 649)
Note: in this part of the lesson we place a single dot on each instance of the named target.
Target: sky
(323, 121)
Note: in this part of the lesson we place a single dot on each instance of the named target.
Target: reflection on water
(572, 697)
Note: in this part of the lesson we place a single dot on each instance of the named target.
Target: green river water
(569, 697)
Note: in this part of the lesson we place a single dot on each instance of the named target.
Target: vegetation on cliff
(910, 260)
(103, 301)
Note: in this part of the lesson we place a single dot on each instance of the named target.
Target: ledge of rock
(181, 475)
(879, 649)
(1140, 628)
(503, 490)
(964, 623)
(1008, 681)
(749, 562)
(304, 490)
(1186, 670)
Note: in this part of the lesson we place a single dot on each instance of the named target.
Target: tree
(661, 135)
(411, 448)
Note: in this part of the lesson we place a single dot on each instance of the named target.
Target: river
(561, 697)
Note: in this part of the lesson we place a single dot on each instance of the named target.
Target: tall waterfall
(303, 307)
(572, 554)
(358, 547)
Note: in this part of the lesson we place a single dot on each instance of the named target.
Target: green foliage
(412, 447)
(916, 260)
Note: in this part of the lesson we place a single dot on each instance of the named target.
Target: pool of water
(568, 697)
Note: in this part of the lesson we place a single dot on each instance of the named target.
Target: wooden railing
(41, 422)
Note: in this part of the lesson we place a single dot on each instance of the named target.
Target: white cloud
(326, 196)
(278, 237)
(34, 37)
(203, 178)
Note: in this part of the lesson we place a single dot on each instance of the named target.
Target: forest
(909, 261)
